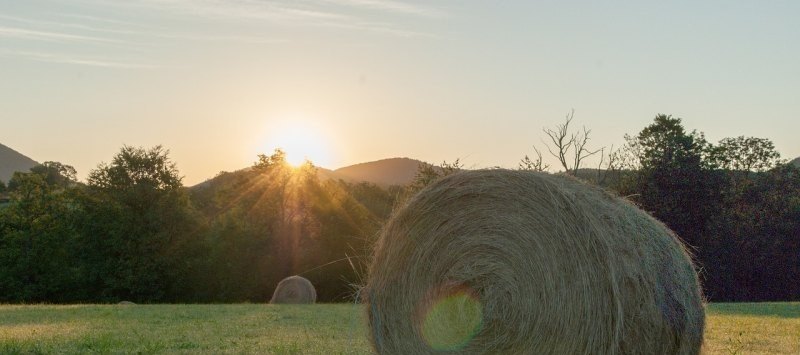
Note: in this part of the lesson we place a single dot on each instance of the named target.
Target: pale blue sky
(218, 82)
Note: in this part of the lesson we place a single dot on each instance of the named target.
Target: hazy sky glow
(219, 81)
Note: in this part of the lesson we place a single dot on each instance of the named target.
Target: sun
(301, 139)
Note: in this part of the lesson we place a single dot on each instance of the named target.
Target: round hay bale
(514, 262)
(294, 290)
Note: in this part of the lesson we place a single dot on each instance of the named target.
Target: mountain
(385, 172)
(11, 161)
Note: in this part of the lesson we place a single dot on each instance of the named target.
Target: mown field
(764, 328)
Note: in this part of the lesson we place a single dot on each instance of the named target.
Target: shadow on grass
(765, 309)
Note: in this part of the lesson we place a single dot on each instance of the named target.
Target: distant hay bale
(294, 290)
(512, 262)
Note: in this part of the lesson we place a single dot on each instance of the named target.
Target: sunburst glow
(302, 139)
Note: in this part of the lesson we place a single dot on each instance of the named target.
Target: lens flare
(452, 320)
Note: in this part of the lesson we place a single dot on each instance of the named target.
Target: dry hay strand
(514, 262)
(294, 290)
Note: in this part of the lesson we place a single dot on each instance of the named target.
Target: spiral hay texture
(512, 262)
(294, 290)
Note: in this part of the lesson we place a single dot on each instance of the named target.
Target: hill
(11, 161)
(795, 162)
(385, 172)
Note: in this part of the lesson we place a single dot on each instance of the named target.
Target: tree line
(735, 203)
(133, 232)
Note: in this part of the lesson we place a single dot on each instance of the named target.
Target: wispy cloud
(319, 13)
(391, 6)
(223, 38)
(163, 33)
(67, 59)
(381, 28)
(106, 20)
(24, 33)
(237, 9)
(140, 36)
(68, 25)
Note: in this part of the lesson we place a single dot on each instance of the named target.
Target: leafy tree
(274, 221)
(139, 226)
(339, 231)
(136, 168)
(256, 222)
(36, 242)
(428, 173)
(745, 154)
(665, 143)
(739, 218)
(19, 243)
(277, 160)
(673, 181)
(757, 218)
(56, 174)
(377, 200)
(755, 239)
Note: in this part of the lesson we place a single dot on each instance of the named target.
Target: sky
(347, 81)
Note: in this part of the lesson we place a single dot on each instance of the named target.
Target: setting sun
(301, 139)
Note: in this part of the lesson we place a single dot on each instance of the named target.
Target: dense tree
(339, 233)
(745, 154)
(379, 201)
(136, 168)
(36, 240)
(244, 212)
(274, 162)
(754, 239)
(56, 174)
(139, 227)
(673, 181)
(734, 203)
(274, 221)
(133, 232)
(428, 173)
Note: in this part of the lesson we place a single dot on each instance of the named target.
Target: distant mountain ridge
(384, 172)
(11, 161)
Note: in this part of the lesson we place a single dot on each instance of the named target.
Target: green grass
(753, 328)
(190, 329)
(765, 328)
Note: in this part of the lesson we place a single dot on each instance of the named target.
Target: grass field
(765, 328)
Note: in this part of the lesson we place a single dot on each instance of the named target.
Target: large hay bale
(294, 290)
(512, 262)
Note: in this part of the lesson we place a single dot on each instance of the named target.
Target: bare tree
(527, 163)
(610, 164)
(569, 147)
